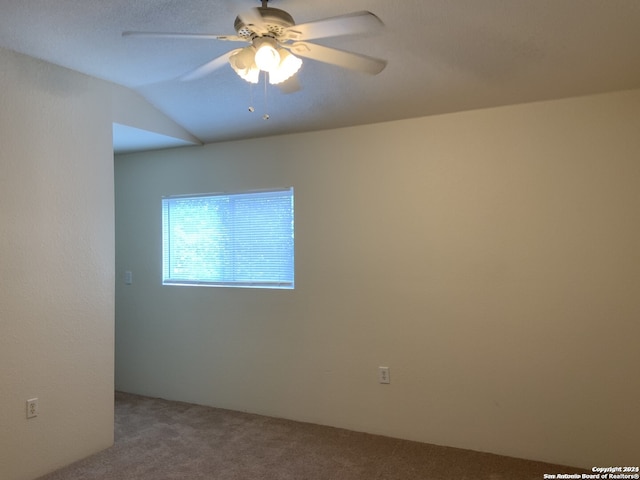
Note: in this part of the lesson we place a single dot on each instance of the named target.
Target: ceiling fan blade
(205, 36)
(351, 23)
(253, 20)
(291, 85)
(208, 67)
(353, 61)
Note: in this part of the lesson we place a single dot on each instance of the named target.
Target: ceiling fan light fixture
(244, 65)
(289, 66)
(252, 75)
(267, 57)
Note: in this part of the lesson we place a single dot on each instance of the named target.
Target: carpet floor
(159, 439)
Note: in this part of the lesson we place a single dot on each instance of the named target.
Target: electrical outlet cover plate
(32, 408)
(383, 375)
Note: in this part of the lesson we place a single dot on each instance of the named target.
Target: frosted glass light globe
(267, 58)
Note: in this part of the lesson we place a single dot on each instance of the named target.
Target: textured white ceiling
(444, 56)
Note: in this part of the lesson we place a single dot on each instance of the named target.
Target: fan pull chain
(266, 109)
(251, 107)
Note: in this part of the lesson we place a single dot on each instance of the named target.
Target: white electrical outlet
(128, 277)
(32, 408)
(383, 375)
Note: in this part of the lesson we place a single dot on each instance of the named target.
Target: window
(235, 240)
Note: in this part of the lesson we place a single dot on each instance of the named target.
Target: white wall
(139, 126)
(489, 258)
(56, 266)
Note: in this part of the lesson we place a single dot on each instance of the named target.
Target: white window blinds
(240, 239)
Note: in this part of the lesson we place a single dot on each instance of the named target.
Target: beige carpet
(158, 439)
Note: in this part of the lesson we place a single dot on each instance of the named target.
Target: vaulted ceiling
(443, 56)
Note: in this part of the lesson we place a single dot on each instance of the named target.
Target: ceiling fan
(274, 41)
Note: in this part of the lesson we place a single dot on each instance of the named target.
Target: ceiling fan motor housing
(275, 21)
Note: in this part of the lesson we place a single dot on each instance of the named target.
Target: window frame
(168, 280)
